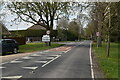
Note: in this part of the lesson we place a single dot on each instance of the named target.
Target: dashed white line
(4, 63)
(2, 67)
(27, 57)
(53, 55)
(92, 72)
(51, 61)
(41, 61)
(33, 68)
(48, 57)
(11, 77)
(35, 55)
(15, 61)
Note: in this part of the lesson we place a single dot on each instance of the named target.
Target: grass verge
(109, 65)
(31, 47)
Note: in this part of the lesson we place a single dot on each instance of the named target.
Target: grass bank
(109, 65)
(30, 47)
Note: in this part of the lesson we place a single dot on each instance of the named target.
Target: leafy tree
(74, 29)
(89, 30)
(111, 22)
(39, 12)
(105, 17)
(62, 28)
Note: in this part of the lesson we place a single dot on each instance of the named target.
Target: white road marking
(30, 68)
(48, 57)
(53, 55)
(11, 77)
(92, 72)
(51, 61)
(35, 55)
(41, 61)
(2, 67)
(67, 51)
(26, 57)
(4, 63)
(15, 61)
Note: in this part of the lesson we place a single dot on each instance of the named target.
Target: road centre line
(92, 72)
(50, 61)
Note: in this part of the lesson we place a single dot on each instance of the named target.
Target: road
(69, 61)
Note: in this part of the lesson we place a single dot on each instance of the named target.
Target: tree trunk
(108, 42)
(108, 46)
(99, 42)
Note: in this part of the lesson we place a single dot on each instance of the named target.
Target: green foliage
(73, 30)
(108, 65)
(89, 30)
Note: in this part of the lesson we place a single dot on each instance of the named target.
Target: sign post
(46, 38)
(98, 38)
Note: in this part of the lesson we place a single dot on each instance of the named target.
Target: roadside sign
(48, 32)
(46, 38)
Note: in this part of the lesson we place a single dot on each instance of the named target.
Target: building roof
(4, 30)
(36, 27)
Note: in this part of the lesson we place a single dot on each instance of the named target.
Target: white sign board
(46, 38)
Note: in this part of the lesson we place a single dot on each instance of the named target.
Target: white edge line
(50, 61)
(92, 72)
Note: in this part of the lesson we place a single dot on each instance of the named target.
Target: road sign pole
(48, 33)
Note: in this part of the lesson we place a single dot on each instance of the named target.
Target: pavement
(70, 61)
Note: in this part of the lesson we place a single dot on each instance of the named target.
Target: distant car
(9, 45)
